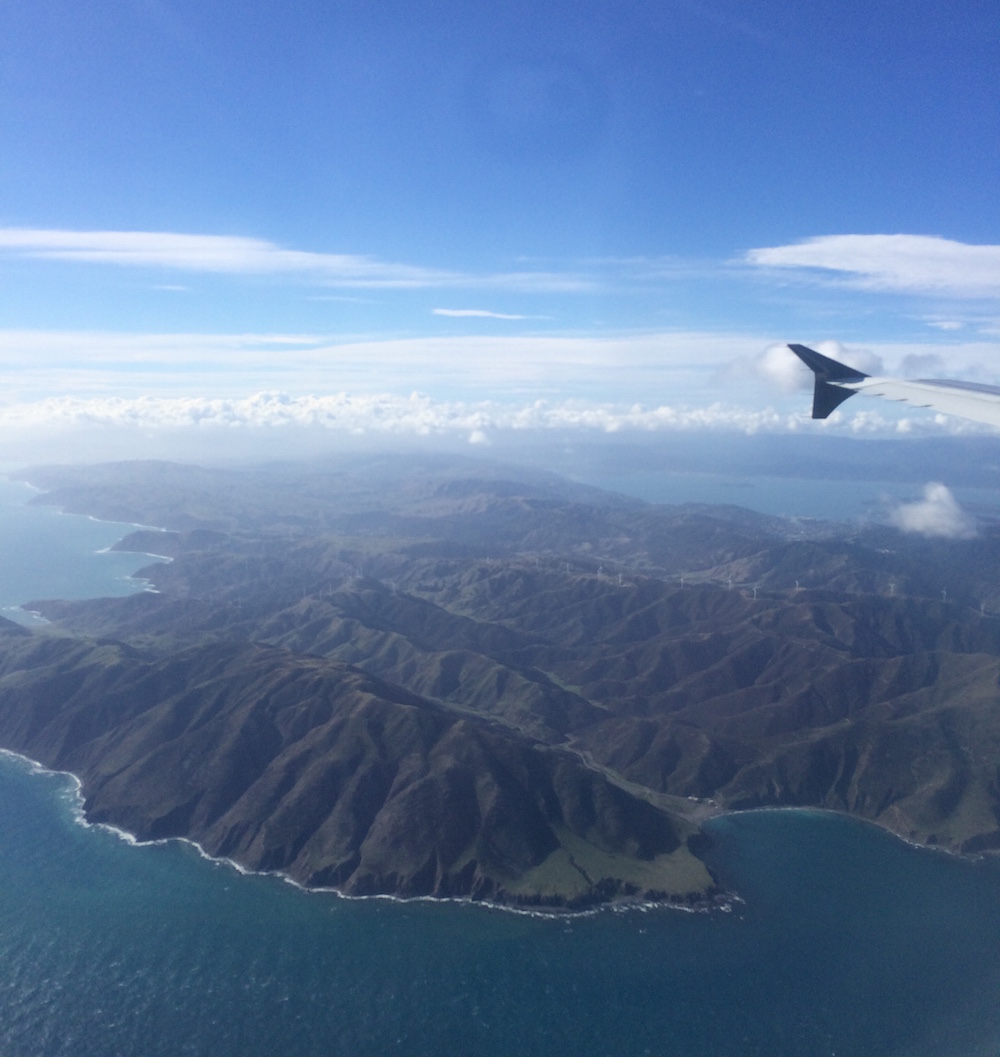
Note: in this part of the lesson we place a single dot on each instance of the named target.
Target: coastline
(806, 809)
(723, 903)
(138, 584)
(40, 492)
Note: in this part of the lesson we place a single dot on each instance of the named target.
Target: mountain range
(451, 679)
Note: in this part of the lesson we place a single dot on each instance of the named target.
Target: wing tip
(824, 367)
(827, 394)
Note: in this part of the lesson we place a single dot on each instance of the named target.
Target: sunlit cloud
(239, 255)
(781, 370)
(382, 413)
(936, 515)
(421, 415)
(780, 366)
(915, 264)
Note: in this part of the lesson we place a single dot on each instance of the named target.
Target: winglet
(827, 395)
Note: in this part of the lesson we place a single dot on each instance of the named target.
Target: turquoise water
(47, 554)
(847, 942)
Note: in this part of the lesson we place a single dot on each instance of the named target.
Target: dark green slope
(320, 771)
(693, 692)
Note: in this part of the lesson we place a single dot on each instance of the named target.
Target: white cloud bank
(387, 414)
(479, 385)
(235, 255)
(937, 514)
(916, 264)
(377, 413)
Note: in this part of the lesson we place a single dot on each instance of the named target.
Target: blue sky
(598, 214)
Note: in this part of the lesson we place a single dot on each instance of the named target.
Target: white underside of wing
(978, 404)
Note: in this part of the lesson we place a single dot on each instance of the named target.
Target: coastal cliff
(315, 769)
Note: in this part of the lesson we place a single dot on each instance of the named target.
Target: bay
(848, 942)
(45, 553)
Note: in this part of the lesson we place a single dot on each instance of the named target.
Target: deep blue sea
(846, 942)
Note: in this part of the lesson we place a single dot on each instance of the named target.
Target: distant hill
(413, 681)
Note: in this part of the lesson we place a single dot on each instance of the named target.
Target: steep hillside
(335, 778)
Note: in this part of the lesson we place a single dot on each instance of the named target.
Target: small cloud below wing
(938, 515)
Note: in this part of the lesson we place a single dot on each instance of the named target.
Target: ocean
(843, 941)
(45, 553)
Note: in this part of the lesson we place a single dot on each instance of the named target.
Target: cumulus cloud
(60, 428)
(937, 514)
(863, 360)
(778, 365)
(781, 368)
(235, 255)
(377, 413)
(421, 415)
(902, 263)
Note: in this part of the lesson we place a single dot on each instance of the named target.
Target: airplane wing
(835, 382)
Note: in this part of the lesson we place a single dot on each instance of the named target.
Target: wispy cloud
(206, 253)
(678, 365)
(239, 255)
(936, 515)
(915, 264)
(945, 324)
(473, 313)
